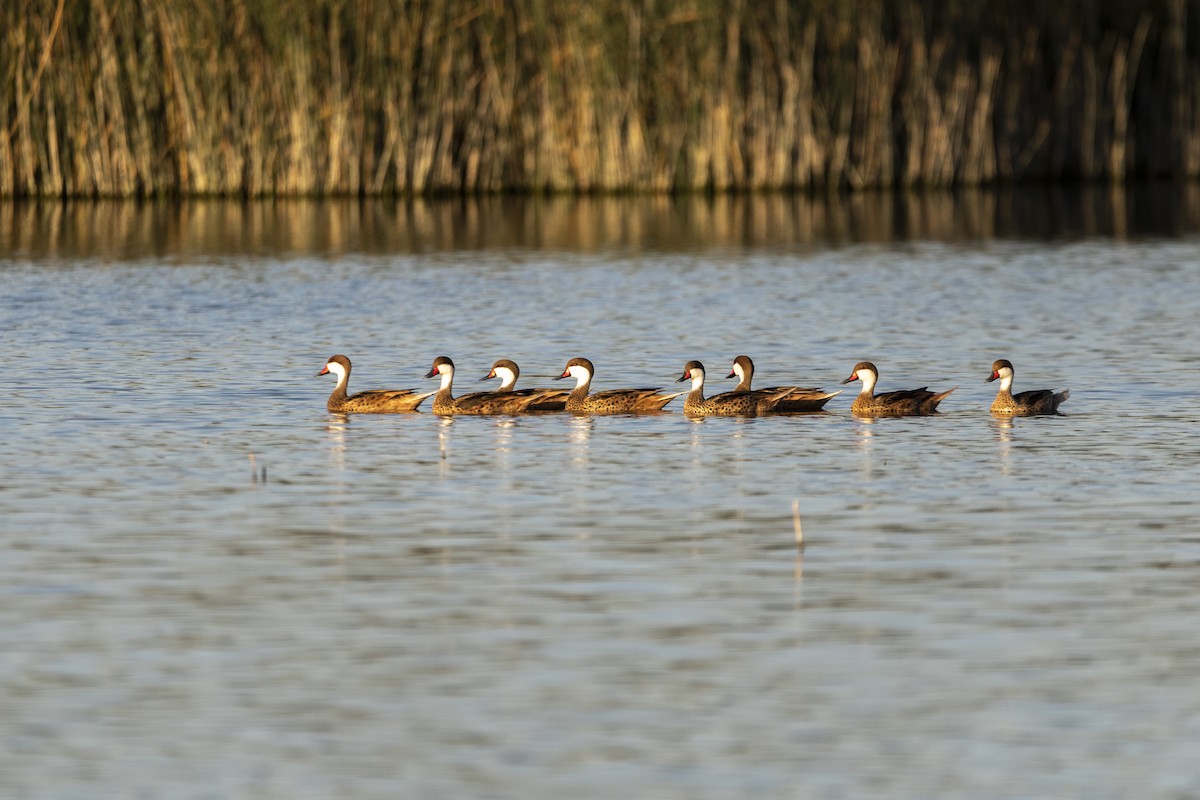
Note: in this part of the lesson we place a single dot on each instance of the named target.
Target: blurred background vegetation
(388, 97)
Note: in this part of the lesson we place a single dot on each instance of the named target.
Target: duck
(444, 401)
(611, 401)
(728, 404)
(1029, 403)
(800, 399)
(507, 371)
(906, 402)
(379, 401)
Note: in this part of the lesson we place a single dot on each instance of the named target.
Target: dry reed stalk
(797, 528)
(114, 97)
(810, 152)
(1088, 116)
(978, 164)
(1126, 58)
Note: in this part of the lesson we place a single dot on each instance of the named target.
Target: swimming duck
(507, 371)
(907, 402)
(810, 399)
(444, 401)
(1034, 401)
(380, 401)
(611, 401)
(728, 404)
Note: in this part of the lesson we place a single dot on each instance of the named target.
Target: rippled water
(213, 588)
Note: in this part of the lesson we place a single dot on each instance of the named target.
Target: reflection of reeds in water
(205, 228)
(267, 97)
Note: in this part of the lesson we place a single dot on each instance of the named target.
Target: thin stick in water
(796, 524)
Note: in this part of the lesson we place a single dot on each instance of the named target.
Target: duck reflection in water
(445, 425)
(336, 428)
(504, 439)
(1003, 425)
(580, 434)
(864, 436)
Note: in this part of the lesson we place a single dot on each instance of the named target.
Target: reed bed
(387, 97)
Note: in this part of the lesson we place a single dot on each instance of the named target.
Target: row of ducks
(741, 401)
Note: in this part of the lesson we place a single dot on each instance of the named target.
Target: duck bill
(851, 379)
(564, 375)
(431, 373)
(490, 375)
(324, 371)
(731, 374)
(685, 376)
(991, 378)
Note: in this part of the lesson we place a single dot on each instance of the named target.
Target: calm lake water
(557, 606)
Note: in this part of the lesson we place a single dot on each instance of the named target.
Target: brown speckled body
(903, 403)
(482, 403)
(797, 400)
(733, 404)
(611, 401)
(383, 401)
(1028, 403)
(380, 401)
(618, 401)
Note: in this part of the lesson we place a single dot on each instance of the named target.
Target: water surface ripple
(550, 606)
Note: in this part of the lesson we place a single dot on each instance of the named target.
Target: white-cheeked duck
(799, 399)
(610, 401)
(379, 401)
(903, 403)
(1028, 403)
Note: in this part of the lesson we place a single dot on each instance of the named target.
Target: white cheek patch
(741, 373)
(337, 370)
(506, 376)
(580, 374)
(697, 379)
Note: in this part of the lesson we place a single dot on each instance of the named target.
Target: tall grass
(299, 97)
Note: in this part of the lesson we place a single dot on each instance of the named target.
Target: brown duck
(907, 402)
(380, 401)
(799, 399)
(1029, 403)
(728, 404)
(611, 401)
(507, 371)
(444, 401)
